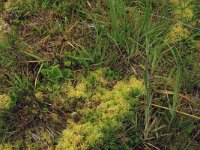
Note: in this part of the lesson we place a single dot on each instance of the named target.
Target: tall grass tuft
(118, 18)
(175, 95)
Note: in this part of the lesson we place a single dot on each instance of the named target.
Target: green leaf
(67, 63)
(67, 73)
(57, 73)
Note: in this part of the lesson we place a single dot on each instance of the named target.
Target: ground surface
(100, 74)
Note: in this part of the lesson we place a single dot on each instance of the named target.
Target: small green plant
(83, 58)
(52, 74)
(67, 63)
(112, 75)
(6, 50)
(20, 85)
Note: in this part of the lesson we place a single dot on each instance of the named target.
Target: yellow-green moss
(178, 31)
(102, 110)
(101, 114)
(79, 137)
(174, 2)
(46, 138)
(128, 86)
(6, 147)
(180, 2)
(182, 9)
(74, 91)
(39, 95)
(17, 145)
(40, 139)
(4, 102)
(97, 76)
(184, 13)
(55, 118)
(82, 89)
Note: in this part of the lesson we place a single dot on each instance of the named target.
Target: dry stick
(38, 74)
(187, 97)
(146, 143)
(180, 112)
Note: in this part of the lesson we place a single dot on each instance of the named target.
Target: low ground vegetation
(99, 74)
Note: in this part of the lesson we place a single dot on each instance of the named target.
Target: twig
(180, 112)
(38, 73)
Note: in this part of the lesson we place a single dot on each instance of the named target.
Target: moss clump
(5, 102)
(133, 86)
(79, 91)
(10, 146)
(178, 31)
(182, 9)
(104, 115)
(174, 2)
(97, 77)
(79, 136)
(184, 14)
(6, 146)
(40, 139)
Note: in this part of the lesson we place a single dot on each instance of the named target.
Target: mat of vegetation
(100, 74)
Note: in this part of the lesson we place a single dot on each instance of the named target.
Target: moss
(130, 87)
(46, 137)
(55, 118)
(77, 92)
(178, 31)
(10, 146)
(38, 139)
(84, 87)
(97, 115)
(182, 9)
(6, 147)
(5, 102)
(184, 14)
(79, 137)
(74, 92)
(97, 77)
(102, 115)
(174, 2)
(39, 95)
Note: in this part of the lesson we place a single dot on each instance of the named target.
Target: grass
(116, 74)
